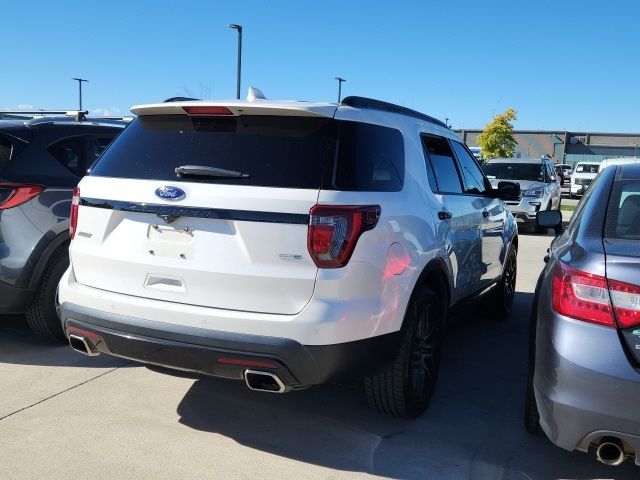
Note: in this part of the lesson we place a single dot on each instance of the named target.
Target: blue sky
(563, 65)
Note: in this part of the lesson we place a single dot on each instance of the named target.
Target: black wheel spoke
(422, 355)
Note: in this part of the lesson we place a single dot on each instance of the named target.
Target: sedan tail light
(581, 295)
(12, 195)
(335, 230)
(595, 299)
(73, 217)
(626, 303)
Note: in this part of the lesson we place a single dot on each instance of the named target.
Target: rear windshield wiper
(204, 171)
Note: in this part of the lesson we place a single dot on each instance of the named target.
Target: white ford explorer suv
(286, 244)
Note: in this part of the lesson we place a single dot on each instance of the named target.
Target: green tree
(496, 140)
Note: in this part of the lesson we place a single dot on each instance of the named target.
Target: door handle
(444, 215)
(485, 214)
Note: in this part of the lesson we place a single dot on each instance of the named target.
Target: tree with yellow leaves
(496, 139)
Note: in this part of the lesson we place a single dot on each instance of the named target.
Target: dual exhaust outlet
(257, 380)
(610, 450)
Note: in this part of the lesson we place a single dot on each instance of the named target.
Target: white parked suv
(286, 244)
(583, 175)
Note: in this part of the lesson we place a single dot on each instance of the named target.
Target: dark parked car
(584, 375)
(41, 161)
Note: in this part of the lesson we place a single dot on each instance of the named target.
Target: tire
(404, 387)
(500, 300)
(42, 315)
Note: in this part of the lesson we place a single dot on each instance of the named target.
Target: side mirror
(550, 219)
(509, 191)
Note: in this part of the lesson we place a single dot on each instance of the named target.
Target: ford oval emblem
(170, 193)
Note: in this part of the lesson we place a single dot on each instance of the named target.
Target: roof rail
(179, 99)
(77, 114)
(364, 102)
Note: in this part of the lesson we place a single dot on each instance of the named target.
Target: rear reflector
(73, 217)
(247, 362)
(581, 295)
(205, 111)
(93, 337)
(335, 230)
(13, 195)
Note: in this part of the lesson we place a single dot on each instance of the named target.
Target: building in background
(568, 147)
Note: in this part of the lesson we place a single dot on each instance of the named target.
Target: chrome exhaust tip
(82, 345)
(610, 451)
(264, 382)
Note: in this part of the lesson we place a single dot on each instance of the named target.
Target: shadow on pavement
(18, 345)
(472, 430)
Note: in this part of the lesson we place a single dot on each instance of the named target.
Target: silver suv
(538, 180)
(286, 244)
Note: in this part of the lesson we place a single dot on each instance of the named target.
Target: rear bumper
(214, 353)
(584, 384)
(578, 189)
(14, 299)
(525, 212)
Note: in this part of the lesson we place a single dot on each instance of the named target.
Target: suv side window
(440, 158)
(551, 173)
(5, 151)
(474, 180)
(96, 146)
(70, 153)
(370, 158)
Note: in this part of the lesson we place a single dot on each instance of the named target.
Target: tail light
(73, 217)
(595, 299)
(12, 195)
(335, 230)
(626, 303)
(581, 295)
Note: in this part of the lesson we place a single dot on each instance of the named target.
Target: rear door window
(70, 153)
(440, 158)
(474, 180)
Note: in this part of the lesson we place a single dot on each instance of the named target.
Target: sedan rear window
(623, 216)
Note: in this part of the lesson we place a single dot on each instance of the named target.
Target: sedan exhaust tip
(610, 451)
(81, 344)
(264, 382)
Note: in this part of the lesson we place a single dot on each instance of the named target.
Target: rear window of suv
(272, 151)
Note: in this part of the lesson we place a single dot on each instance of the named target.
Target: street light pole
(80, 80)
(237, 27)
(340, 80)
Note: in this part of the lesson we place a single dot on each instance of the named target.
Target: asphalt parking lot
(63, 415)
